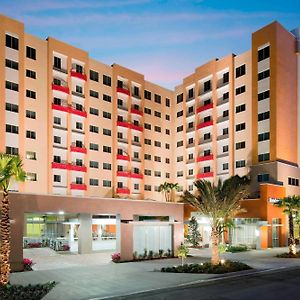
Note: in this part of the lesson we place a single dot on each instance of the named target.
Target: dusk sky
(165, 40)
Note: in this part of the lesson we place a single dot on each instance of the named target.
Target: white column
(99, 231)
(85, 239)
(118, 233)
(71, 232)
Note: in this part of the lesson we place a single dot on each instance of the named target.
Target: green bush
(29, 292)
(238, 248)
(207, 267)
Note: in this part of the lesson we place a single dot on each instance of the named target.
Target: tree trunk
(5, 241)
(215, 258)
(291, 239)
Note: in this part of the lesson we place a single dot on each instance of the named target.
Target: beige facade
(84, 128)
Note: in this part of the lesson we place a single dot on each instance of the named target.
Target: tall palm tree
(219, 203)
(291, 207)
(173, 187)
(10, 169)
(165, 189)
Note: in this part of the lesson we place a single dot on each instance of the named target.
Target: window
(94, 76)
(263, 75)
(240, 71)
(94, 111)
(263, 95)
(179, 173)
(147, 187)
(240, 126)
(94, 129)
(167, 146)
(157, 114)
(179, 98)
(12, 107)
(56, 178)
(168, 131)
(168, 102)
(57, 120)
(157, 158)
(263, 53)
(179, 113)
(263, 116)
(94, 164)
(207, 86)
(31, 74)
(240, 90)
(206, 169)
(106, 115)
(191, 171)
(57, 139)
(225, 166)
(240, 145)
(147, 95)
(11, 86)
(240, 163)
(225, 113)
(12, 151)
(157, 173)
(11, 42)
(12, 129)
(167, 160)
(157, 129)
(106, 80)
(191, 93)
(179, 158)
(225, 131)
(30, 94)
(106, 166)
(106, 98)
(147, 172)
(180, 128)
(157, 98)
(147, 156)
(147, 111)
(264, 157)
(107, 149)
(94, 147)
(106, 131)
(179, 143)
(106, 183)
(226, 77)
(30, 53)
(263, 177)
(264, 136)
(240, 108)
(30, 155)
(147, 141)
(31, 177)
(136, 186)
(30, 114)
(147, 126)
(30, 134)
(94, 94)
(11, 64)
(225, 149)
(94, 182)
(168, 117)
(79, 180)
(293, 181)
(206, 136)
(157, 144)
(57, 62)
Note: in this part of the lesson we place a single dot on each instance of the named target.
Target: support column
(71, 232)
(85, 239)
(118, 233)
(126, 241)
(178, 236)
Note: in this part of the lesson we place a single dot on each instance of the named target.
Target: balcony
(190, 99)
(205, 124)
(136, 127)
(123, 90)
(123, 174)
(221, 83)
(205, 158)
(205, 175)
(78, 75)
(203, 92)
(135, 159)
(63, 165)
(190, 161)
(222, 119)
(78, 186)
(123, 157)
(60, 88)
(222, 137)
(77, 110)
(205, 107)
(60, 69)
(136, 96)
(74, 167)
(222, 101)
(205, 141)
(136, 111)
(77, 94)
(123, 141)
(190, 145)
(122, 107)
(134, 143)
(190, 114)
(75, 148)
(190, 129)
(123, 190)
(123, 124)
(63, 106)
(136, 175)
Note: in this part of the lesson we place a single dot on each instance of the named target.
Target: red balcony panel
(123, 191)
(123, 157)
(204, 107)
(205, 175)
(123, 91)
(123, 124)
(205, 157)
(60, 107)
(63, 166)
(136, 111)
(78, 112)
(77, 168)
(135, 127)
(205, 124)
(78, 149)
(76, 186)
(78, 75)
(138, 176)
(60, 88)
(123, 174)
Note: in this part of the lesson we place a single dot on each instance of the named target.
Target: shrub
(28, 263)
(238, 248)
(150, 255)
(160, 252)
(116, 257)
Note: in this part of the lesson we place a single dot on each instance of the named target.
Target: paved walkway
(98, 279)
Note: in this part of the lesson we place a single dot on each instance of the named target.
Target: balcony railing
(77, 110)
(60, 69)
(136, 127)
(124, 141)
(205, 124)
(222, 101)
(123, 190)
(123, 124)
(222, 137)
(75, 167)
(76, 148)
(62, 106)
(60, 88)
(123, 157)
(78, 94)
(122, 107)
(205, 158)
(205, 175)
(123, 90)
(205, 141)
(81, 76)
(129, 174)
(78, 186)
(222, 119)
(63, 165)
(205, 107)
(135, 159)
(190, 161)
(136, 111)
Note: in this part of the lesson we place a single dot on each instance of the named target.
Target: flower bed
(28, 263)
(221, 268)
(29, 292)
(288, 255)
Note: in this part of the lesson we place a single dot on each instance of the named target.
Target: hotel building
(88, 130)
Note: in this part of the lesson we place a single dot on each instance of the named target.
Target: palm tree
(10, 169)
(219, 203)
(165, 189)
(291, 207)
(173, 187)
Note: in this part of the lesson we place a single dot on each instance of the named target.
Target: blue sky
(165, 40)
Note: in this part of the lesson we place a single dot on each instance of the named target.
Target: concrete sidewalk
(108, 280)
